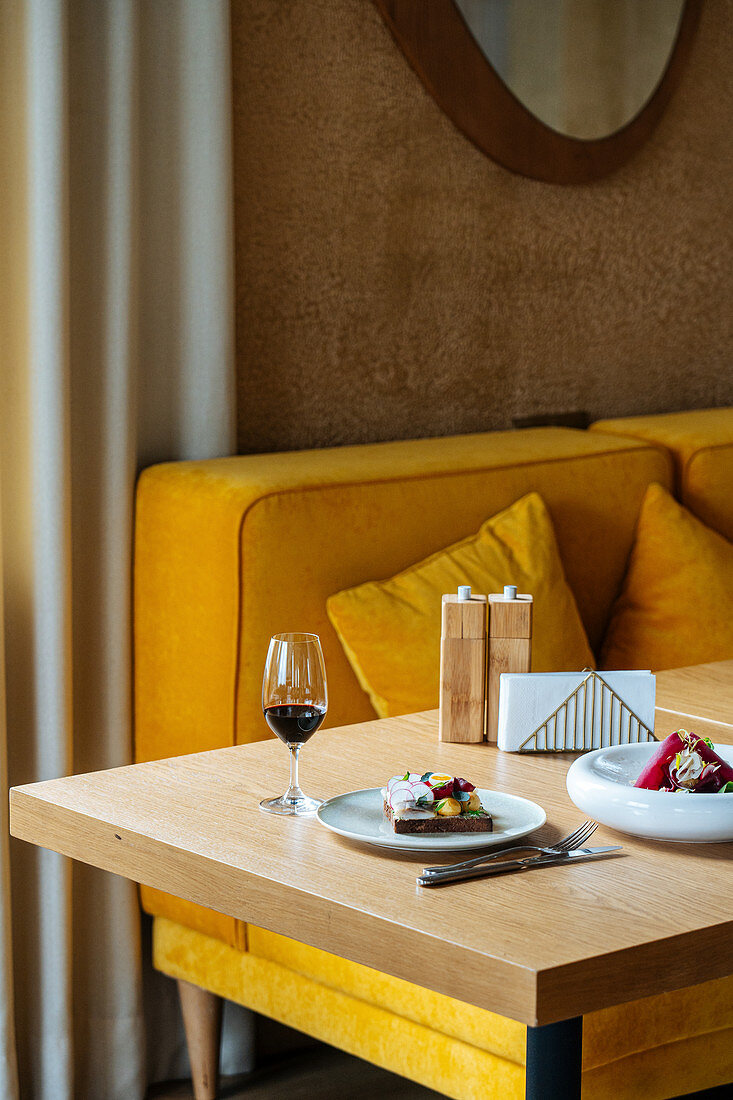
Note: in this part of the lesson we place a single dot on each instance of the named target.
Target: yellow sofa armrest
(701, 445)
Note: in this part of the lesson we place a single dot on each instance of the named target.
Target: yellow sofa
(229, 551)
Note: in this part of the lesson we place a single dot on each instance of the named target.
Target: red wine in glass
(294, 723)
(294, 703)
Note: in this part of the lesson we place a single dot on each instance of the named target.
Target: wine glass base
(290, 807)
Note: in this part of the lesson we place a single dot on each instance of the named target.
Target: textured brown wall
(393, 282)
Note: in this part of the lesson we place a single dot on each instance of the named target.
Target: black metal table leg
(554, 1060)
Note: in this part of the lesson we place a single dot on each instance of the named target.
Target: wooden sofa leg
(202, 1023)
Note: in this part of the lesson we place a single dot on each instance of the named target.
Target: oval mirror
(560, 90)
(583, 67)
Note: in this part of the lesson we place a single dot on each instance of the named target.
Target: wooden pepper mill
(463, 667)
(510, 646)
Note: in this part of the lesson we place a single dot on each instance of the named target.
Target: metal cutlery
(573, 840)
(499, 868)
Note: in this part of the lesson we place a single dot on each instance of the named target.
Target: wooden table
(542, 948)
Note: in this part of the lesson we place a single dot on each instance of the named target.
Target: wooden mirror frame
(436, 41)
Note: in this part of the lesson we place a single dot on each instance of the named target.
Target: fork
(576, 839)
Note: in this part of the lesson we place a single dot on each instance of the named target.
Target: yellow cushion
(701, 445)
(676, 605)
(655, 1047)
(390, 629)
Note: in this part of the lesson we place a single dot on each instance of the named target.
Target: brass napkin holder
(552, 735)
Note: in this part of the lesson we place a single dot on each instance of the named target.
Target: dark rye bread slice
(463, 823)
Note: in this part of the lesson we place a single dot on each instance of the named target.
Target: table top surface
(536, 947)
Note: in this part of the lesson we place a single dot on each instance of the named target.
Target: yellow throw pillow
(676, 604)
(390, 630)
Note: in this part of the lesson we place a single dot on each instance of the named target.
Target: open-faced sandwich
(432, 803)
(684, 762)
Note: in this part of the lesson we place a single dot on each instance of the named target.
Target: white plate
(359, 815)
(601, 784)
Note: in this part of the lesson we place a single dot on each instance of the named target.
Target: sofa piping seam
(393, 480)
(691, 458)
(657, 1047)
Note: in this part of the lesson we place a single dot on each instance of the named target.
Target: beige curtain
(116, 350)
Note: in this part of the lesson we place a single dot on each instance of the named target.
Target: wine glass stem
(294, 792)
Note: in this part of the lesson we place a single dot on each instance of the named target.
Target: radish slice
(404, 791)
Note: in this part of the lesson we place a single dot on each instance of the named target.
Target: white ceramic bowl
(601, 785)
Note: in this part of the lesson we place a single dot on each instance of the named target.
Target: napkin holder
(575, 711)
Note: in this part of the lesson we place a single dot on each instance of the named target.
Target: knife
(577, 855)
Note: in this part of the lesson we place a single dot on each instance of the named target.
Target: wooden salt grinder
(463, 667)
(510, 646)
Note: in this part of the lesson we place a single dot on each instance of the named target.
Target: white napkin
(601, 713)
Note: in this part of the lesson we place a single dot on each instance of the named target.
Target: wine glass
(294, 702)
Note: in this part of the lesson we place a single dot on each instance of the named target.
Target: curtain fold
(116, 350)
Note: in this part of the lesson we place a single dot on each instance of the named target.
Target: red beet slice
(445, 791)
(655, 775)
(464, 785)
